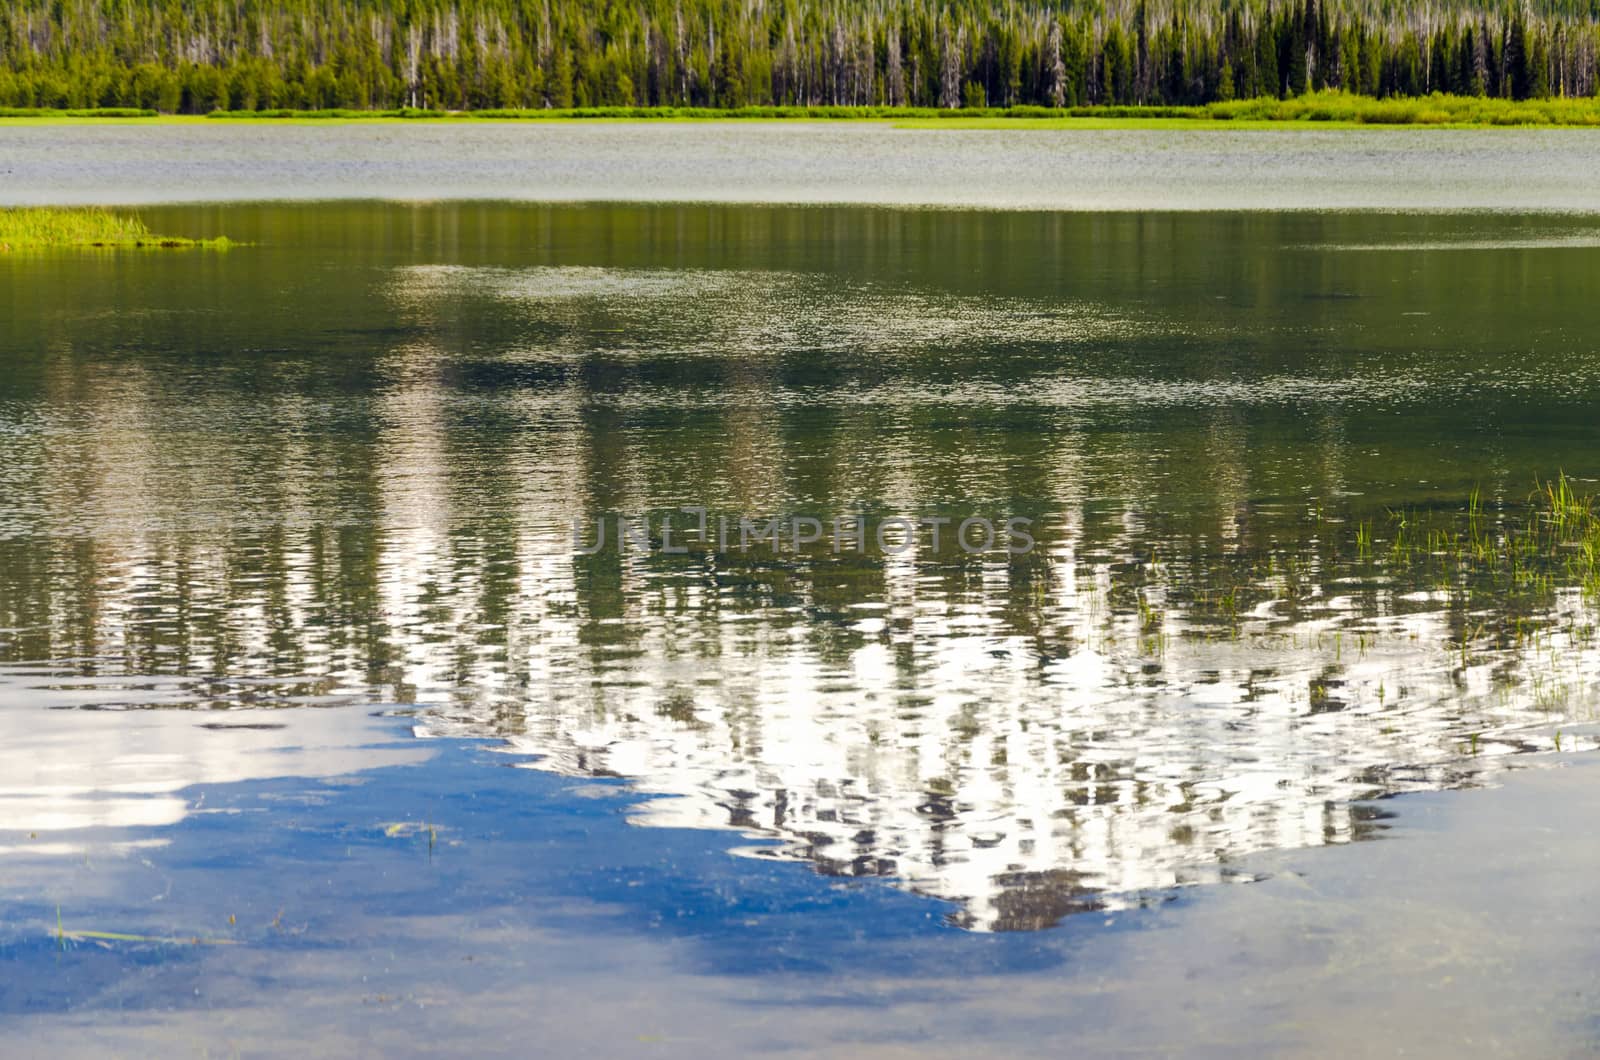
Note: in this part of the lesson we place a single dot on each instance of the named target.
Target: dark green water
(339, 468)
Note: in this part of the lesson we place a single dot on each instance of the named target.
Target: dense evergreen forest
(196, 56)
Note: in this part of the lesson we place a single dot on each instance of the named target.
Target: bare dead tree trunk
(1055, 70)
(950, 68)
(896, 79)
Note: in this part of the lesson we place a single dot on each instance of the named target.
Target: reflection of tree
(1191, 666)
(1026, 736)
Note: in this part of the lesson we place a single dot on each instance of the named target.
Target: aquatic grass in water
(85, 227)
(36, 227)
(103, 937)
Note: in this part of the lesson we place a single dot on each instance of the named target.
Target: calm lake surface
(1207, 168)
(319, 726)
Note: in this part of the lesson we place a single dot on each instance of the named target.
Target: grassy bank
(38, 227)
(1323, 108)
(91, 112)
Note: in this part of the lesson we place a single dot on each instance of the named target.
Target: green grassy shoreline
(43, 227)
(1326, 108)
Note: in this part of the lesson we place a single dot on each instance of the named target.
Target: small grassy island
(34, 227)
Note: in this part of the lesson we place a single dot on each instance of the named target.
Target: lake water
(326, 721)
(865, 162)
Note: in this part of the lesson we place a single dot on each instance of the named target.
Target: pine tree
(200, 56)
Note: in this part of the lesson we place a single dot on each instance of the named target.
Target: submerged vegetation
(946, 54)
(34, 227)
(1497, 567)
(1555, 544)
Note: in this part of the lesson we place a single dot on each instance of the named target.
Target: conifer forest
(244, 55)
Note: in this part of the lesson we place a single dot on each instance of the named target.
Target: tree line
(197, 56)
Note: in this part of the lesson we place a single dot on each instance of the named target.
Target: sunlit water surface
(282, 523)
(1207, 167)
